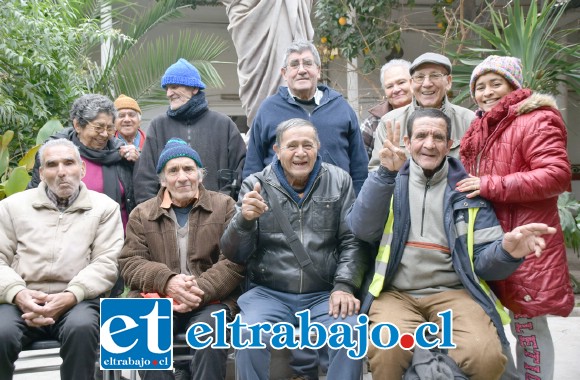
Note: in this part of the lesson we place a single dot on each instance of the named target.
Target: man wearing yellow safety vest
(436, 249)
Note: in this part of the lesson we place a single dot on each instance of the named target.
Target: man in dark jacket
(212, 134)
(428, 261)
(172, 249)
(334, 119)
(314, 197)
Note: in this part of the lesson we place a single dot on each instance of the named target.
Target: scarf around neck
(279, 171)
(194, 107)
(484, 125)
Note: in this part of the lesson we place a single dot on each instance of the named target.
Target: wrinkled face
(428, 145)
(435, 84)
(397, 85)
(297, 154)
(489, 89)
(178, 94)
(97, 132)
(60, 170)
(127, 123)
(301, 74)
(181, 178)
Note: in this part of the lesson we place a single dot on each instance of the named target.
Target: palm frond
(139, 72)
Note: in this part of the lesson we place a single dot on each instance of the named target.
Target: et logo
(136, 333)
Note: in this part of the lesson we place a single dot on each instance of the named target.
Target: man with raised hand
(290, 231)
(436, 248)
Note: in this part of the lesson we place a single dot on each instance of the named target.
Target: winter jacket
(335, 122)
(523, 167)
(339, 258)
(460, 119)
(150, 256)
(142, 138)
(124, 168)
(42, 248)
(213, 135)
(491, 262)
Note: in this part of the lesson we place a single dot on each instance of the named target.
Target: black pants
(206, 364)
(77, 331)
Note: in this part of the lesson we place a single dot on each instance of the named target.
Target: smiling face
(97, 132)
(397, 85)
(127, 123)
(428, 144)
(182, 178)
(61, 171)
(489, 89)
(297, 154)
(301, 74)
(178, 94)
(431, 92)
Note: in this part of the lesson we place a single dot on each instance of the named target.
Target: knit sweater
(335, 122)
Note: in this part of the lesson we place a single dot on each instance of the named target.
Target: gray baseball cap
(435, 58)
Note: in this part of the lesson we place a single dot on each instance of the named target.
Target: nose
(61, 172)
(487, 91)
(168, 92)
(429, 142)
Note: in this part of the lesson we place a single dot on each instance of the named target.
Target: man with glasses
(430, 81)
(304, 97)
(172, 249)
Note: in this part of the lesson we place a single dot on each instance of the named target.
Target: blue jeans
(261, 304)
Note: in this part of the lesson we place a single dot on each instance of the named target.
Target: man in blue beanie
(172, 249)
(212, 134)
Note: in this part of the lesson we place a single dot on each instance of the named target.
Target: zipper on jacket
(427, 186)
(301, 240)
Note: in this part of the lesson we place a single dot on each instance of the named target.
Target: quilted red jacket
(523, 166)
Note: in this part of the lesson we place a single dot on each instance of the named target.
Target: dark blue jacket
(369, 214)
(335, 121)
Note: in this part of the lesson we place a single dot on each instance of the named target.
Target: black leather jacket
(340, 259)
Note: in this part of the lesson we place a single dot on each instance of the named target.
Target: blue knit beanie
(184, 73)
(177, 148)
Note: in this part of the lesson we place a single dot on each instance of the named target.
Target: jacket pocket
(324, 213)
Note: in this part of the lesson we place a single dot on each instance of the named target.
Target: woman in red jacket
(515, 151)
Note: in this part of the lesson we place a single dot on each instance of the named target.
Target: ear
(449, 145)
(283, 72)
(407, 142)
(449, 82)
(83, 169)
(319, 73)
(41, 172)
(277, 150)
(76, 125)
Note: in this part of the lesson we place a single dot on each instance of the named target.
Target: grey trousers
(534, 347)
(77, 331)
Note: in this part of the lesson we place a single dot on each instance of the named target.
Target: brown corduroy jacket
(150, 255)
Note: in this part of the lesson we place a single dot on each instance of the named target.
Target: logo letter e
(107, 340)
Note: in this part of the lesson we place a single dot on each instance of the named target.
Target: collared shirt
(317, 95)
(62, 203)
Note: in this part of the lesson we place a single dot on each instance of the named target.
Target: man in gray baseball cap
(430, 81)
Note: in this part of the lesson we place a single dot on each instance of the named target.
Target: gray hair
(89, 106)
(59, 142)
(298, 47)
(428, 112)
(393, 63)
(293, 123)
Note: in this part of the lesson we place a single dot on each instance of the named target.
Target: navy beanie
(184, 73)
(177, 148)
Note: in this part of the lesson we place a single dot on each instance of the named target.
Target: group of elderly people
(439, 218)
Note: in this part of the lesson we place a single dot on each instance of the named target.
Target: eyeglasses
(295, 64)
(420, 78)
(100, 128)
